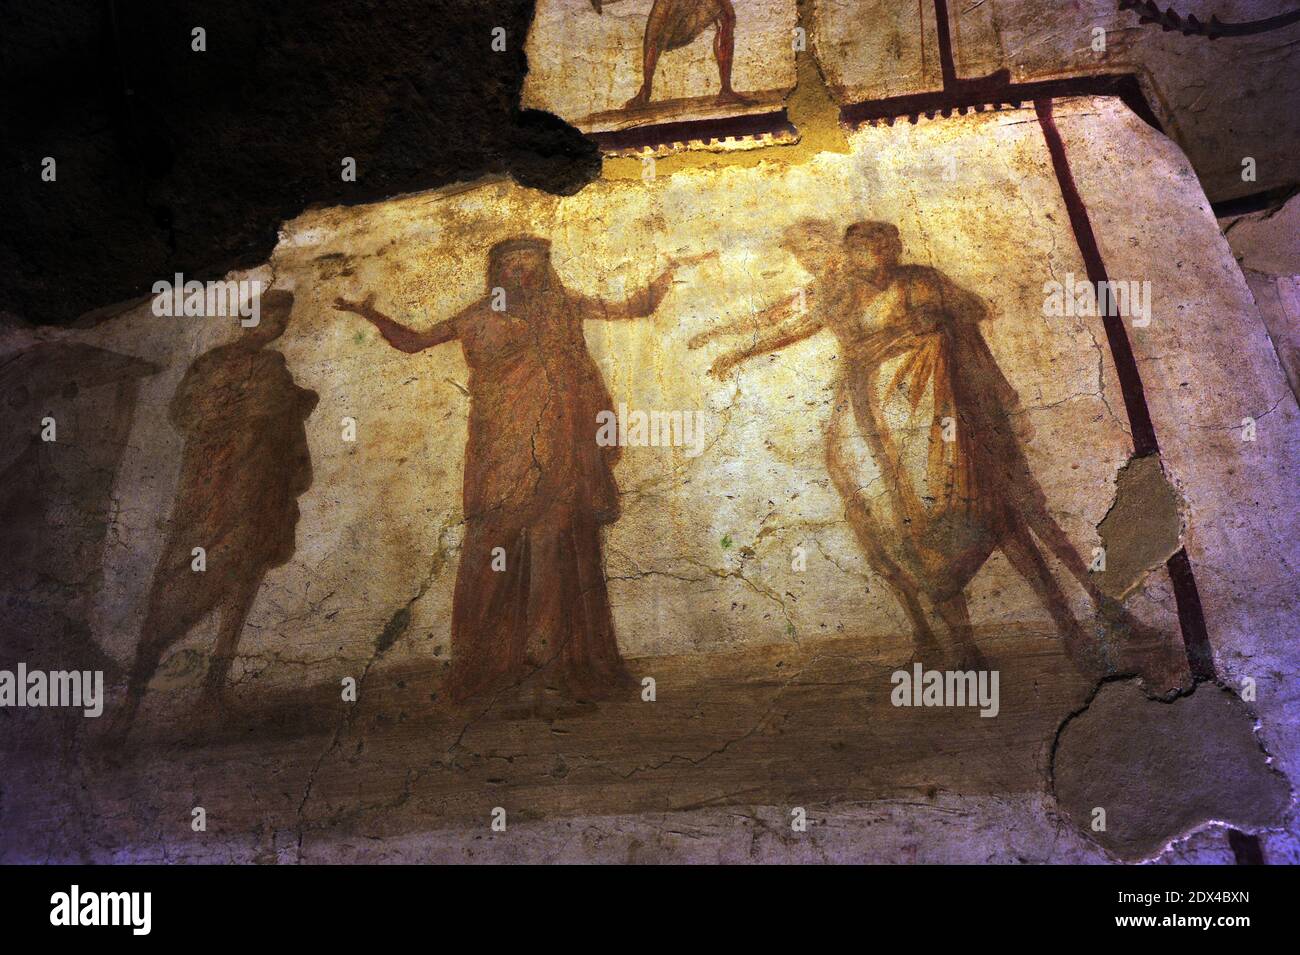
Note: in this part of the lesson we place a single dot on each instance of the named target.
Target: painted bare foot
(599, 681)
(969, 657)
(640, 101)
(213, 709)
(955, 658)
(732, 98)
(1161, 666)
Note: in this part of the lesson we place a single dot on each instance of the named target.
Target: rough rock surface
(174, 160)
(1267, 245)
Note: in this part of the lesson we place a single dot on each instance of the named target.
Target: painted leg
(1027, 559)
(868, 534)
(956, 617)
(724, 50)
(928, 647)
(1120, 630)
(233, 612)
(1031, 508)
(649, 61)
(155, 639)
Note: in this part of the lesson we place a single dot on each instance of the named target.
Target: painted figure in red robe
(530, 589)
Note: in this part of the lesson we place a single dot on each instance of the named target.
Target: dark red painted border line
(1246, 848)
(1191, 616)
(959, 95)
(1135, 402)
(946, 62)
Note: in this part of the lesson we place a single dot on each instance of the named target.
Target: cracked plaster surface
(772, 684)
(1223, 100)
(584, 66)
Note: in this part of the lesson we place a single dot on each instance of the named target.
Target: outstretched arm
(780, 313)
(640, 304)
(773, 328)
(769, 339)
(396, 334)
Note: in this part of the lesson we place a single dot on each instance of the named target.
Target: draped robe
(538, 487)
(934, 409)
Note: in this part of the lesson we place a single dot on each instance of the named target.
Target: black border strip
(1255, 202)
(994, 92)
(947, 63)
(747, 125)
(1191, 616)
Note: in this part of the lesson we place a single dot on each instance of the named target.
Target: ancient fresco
(530, 589)
(244, 464)
(672, 495)
(935, 524)
(897, 55)
(56, 499)
(607, 65)
(911, 50)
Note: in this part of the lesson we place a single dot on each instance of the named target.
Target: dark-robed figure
(530, 590)
(245, 464)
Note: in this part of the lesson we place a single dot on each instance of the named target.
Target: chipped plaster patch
(1143, 527)
(1162, 770)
